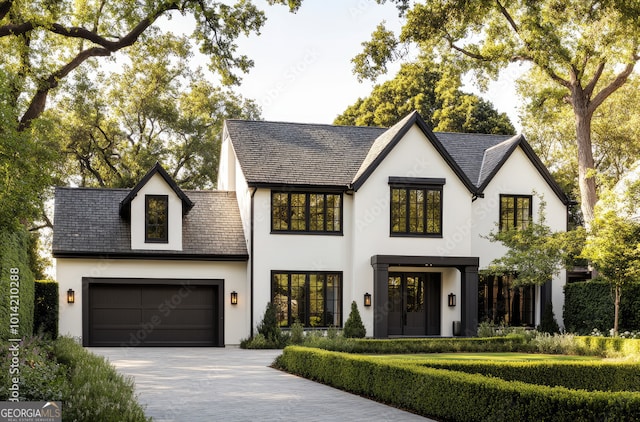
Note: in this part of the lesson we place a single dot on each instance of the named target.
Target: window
(416, 207)
(515, 211)
(156, 219)
(314, 299)
(306, 212)
(500, 303)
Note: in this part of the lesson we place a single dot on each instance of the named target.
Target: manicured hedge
(589, 305)
(452, 395)
(45, 309)
(15, 277)
(591, 376)
(608, 346)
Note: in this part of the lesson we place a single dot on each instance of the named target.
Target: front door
(414, 304)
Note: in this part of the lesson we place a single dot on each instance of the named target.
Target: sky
(303, 70)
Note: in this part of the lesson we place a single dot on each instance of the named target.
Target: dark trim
(165, 200)
(416, 181)
(411, 119)
(307, 213)
(151, 255)
(125, 204)
(340, 274)
(515, 213)
(468, 267)
(425, 188)
(537, 163)
(89, 281)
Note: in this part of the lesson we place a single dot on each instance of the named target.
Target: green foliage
(45, 310)
(454, 395)
(269, 335)
(353, 327)
(436, 95)
(96, 391)
(15, 277)
(534, 253)
(297, 333)
(549, 324)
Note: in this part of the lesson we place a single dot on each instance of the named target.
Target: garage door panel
(153, 315)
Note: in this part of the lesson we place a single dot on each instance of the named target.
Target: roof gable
(389, 139)
(125, 204)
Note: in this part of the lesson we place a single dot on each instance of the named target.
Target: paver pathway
(232, 384)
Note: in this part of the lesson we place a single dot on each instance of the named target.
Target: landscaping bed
(474, 389)
(88, 386)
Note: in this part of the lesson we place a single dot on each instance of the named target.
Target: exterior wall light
(234, 297)
(71, 296)
(367, 299)
(452, 299)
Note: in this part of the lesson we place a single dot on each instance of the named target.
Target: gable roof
(299, 154)
(125, 204)
(87, 224)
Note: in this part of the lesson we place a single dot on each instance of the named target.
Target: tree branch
(508, 17)
(604, 93)
(5, 6)
(588, 90)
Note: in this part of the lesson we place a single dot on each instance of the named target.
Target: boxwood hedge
(454, 395)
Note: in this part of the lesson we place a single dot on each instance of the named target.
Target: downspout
(253, 192)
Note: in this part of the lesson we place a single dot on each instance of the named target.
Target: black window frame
(307, 276)
(148, 223)
(500, 302)
(425, 185)
(307, 214)
(515, 222)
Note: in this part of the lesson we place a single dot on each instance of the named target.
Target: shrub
(453, 395)
(354, 328)
(269, 336)
(549, 324)
(297, 333)
(45, 309)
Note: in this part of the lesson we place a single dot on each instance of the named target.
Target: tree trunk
(616, 309)
(586, 167)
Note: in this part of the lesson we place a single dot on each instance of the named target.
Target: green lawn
(504, 356)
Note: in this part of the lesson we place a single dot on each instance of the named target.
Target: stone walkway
(231, 384)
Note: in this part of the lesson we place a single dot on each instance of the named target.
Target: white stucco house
(310, 217)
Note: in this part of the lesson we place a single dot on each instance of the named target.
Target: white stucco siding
(71, 271)
(156, 186)
(413, 156)
(295, 252)
(227, 165)
(518, 176)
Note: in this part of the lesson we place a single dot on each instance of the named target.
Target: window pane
(280, 292)
(280, 211)
(316, 212)
(434, 212)
(298, 299)
(395, 294)
(523, 215)
(157, 222)
(398, 210)
(316, 300)
(507, 212)
(333, 300)
(416, 211)
(298, 211)
(333, 213)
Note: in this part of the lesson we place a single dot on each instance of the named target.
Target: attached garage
(153, 312)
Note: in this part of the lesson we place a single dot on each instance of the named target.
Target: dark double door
(414, 304)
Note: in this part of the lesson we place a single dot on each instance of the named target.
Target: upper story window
(306, 212)
(156, 213)
(416, 206)
(515, 211)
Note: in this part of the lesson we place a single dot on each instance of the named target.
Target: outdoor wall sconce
(452, 299)
(71, 296)
(234, 297)
(367, 299)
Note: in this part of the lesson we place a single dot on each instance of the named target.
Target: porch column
(380, 300)
(469, 299)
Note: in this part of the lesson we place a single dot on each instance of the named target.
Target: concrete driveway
(232, 384)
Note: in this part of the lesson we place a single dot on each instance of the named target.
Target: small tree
(354, 328)
(268, 327)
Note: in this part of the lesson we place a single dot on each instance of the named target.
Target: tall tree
(437, 96)
(586, 48)
(170, 113)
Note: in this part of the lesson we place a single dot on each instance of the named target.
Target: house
(310, 217)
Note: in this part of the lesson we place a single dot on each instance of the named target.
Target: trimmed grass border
(454, 395)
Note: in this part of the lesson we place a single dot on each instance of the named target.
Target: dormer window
(156, 219)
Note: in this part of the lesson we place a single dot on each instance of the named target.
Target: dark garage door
(153, 315)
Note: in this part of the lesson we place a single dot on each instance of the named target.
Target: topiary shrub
(549, 324)
(269, 336)
(354, 328)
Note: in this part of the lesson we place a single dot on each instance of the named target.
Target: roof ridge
(91, 188)
(305, 123)
(513, 138)
(473, 133)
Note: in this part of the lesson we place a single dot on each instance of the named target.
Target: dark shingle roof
(87, 223)
(276, 153)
